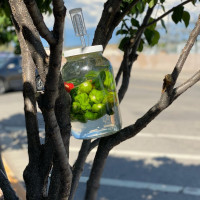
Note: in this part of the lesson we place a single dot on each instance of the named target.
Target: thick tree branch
(60, 152)
(50, 96)
(130, 56)
(59, 11)
(55, 183)
(110, 19)
(39, 22)
(8, 192)
(78, 166)
(25, 30)
(97, 169)
(31, 36)
(62, 110)
(28, 69)
(94, 144)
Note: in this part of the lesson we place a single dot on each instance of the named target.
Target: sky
(92, 10)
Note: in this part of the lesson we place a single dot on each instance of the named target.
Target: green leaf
(135, 22)
(186, 18)
(156, 37)
(140, 6)
(132, 32)
(153, 26)
(163, 8)
(194, 2)
(152, 36)
(152, 3)
(163, 25)
(122, 32)
(123, 43)
(141, 45)
(177, 14)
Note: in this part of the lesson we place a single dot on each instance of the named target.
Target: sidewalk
(15, 157)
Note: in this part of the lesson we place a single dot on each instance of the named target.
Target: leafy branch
(168, 95)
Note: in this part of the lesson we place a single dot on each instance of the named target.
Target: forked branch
(110, 19)
(168, 95)
(39, 22)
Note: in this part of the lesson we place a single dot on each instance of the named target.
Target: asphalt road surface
(160, 163)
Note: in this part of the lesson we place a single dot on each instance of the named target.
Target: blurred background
(160, 163)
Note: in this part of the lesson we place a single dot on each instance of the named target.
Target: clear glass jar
(88, 76)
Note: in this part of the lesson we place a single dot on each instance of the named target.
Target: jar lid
(84, 50)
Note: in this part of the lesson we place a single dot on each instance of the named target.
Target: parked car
(10, 73)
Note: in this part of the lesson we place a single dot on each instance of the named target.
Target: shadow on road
(12, 132)
(160, 170)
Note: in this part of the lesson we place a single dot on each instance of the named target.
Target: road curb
(17, 186)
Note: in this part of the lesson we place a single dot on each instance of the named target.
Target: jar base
(106, 125)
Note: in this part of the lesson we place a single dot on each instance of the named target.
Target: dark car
(10, 73)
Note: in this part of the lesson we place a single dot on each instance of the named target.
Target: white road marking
(127, 153)
(146, 185)
(173, 136)
(142, 134)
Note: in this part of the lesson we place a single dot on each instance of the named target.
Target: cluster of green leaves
(131, 24)
(7, 31)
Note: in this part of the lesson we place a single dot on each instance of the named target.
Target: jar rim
(84, 50)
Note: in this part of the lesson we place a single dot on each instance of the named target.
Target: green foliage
(7, 31)
(152, 36)
(44, 6)
(186, 18)
(163, 25)
(132, 23)
(177, 14)
(152, 3)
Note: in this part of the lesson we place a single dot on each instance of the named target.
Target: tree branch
(50, 96)
(31, 37)
(39, 22)
(186, 51)
(140, 32)
(186, 85)
(130, 56)
(94, 144)
(97, 169)
(110, 19)
(28, 69)
(166, 13)
(55, 183)
(168, 95)
(78, 166)
(59, 148)
(8, 192)
(59, 11)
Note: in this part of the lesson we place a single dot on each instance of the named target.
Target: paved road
(162, 162)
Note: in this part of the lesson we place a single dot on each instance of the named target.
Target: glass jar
(88, 77)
